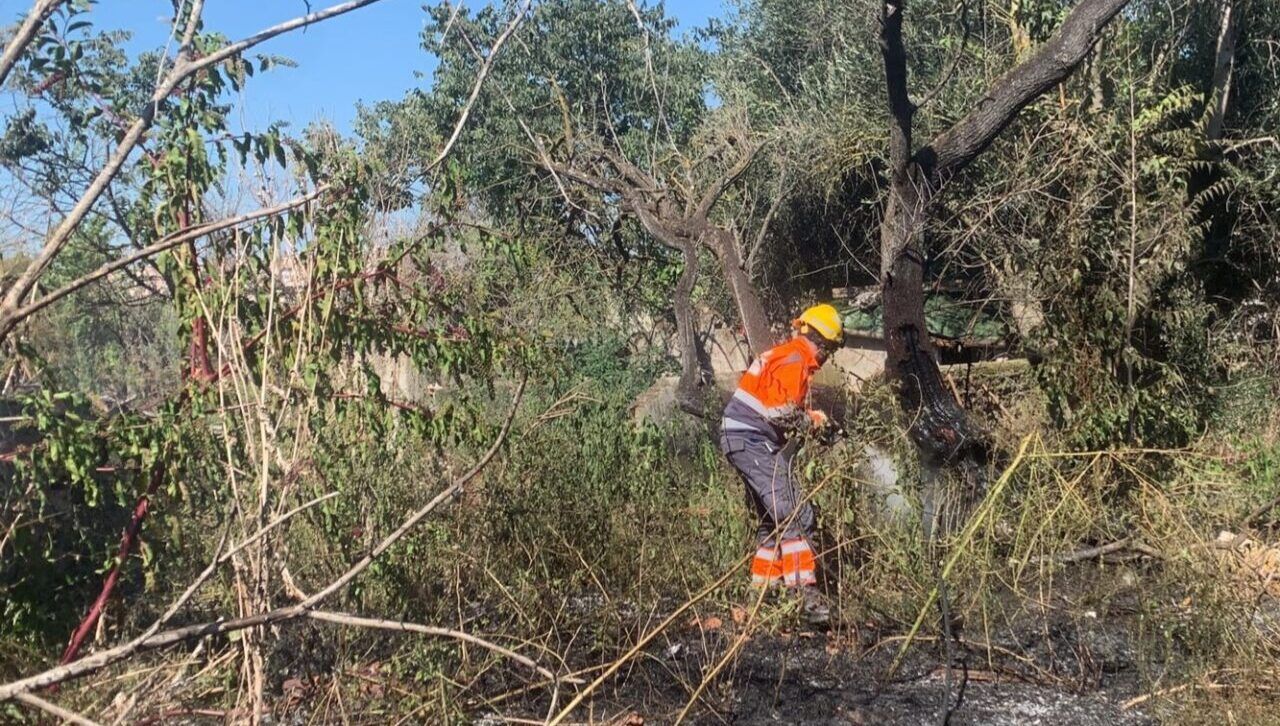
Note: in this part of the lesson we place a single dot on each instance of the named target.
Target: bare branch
(161, 245)
(26, 32)
(102, 659)
(718, 188)
(481, 75)
(54, 710)
(1224, 65)
(182, 70)
(401, 626)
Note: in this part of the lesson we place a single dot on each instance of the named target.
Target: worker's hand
(819, 419)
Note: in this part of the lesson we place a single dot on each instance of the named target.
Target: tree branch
(1050, 65)
(182, 70)
(485, 66)
(26, 33)
(102, 659)
(401, 626)
(54, 710)
(895, 74)
(161, 245)
(717, 189)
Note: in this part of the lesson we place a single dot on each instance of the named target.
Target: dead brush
(1063, 542)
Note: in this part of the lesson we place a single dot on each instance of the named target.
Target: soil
(1063, 672)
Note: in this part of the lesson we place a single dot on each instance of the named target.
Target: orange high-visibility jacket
(771, 394)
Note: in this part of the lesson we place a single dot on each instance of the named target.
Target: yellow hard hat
(824, 319)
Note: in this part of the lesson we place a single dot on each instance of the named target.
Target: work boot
(813, 606)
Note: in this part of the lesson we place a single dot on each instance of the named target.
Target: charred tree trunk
(940, 427)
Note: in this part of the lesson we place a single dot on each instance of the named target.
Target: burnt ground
(1063, 671)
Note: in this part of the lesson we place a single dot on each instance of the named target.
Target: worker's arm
(794, 379)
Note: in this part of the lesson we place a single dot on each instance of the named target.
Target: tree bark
(1223, 67)
(746, 297)
(687, 391)
(939, 425)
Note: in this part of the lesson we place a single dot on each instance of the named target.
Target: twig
(397, 625)
(100, 660)
(54, 709)
(1087, 553)
(640, 644)
(485, 66)
(965, 536)
(1257, 514)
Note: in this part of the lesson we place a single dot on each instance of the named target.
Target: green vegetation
(278, 401)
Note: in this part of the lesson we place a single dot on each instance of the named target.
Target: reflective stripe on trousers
(790, 564)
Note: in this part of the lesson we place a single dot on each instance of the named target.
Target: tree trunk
(939, 425)
(1223, 67)
(755, 322)
(688, 391)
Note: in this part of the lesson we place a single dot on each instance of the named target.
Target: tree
(916, 176)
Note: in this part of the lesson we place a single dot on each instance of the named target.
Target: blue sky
(367, 55)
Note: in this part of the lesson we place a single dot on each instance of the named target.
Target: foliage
(336, 364)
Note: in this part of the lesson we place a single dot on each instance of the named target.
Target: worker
(768, 407)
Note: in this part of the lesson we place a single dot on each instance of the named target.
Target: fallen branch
(102, 659)
(1207, 685)
(1090, 553)
(397, 625)
(1256, 515)
(54, 709)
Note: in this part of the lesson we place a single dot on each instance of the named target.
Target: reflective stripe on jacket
(771, 394)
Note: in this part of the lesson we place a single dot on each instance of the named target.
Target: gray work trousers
(766, 470)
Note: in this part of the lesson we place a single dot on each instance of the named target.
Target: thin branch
(955, 61)
(717, 189)
(182, 70)
(54, 710)
(26, 33)
(481, 75)
(102, 659)
(401, 626)
(1087, 553)
(161, 245)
